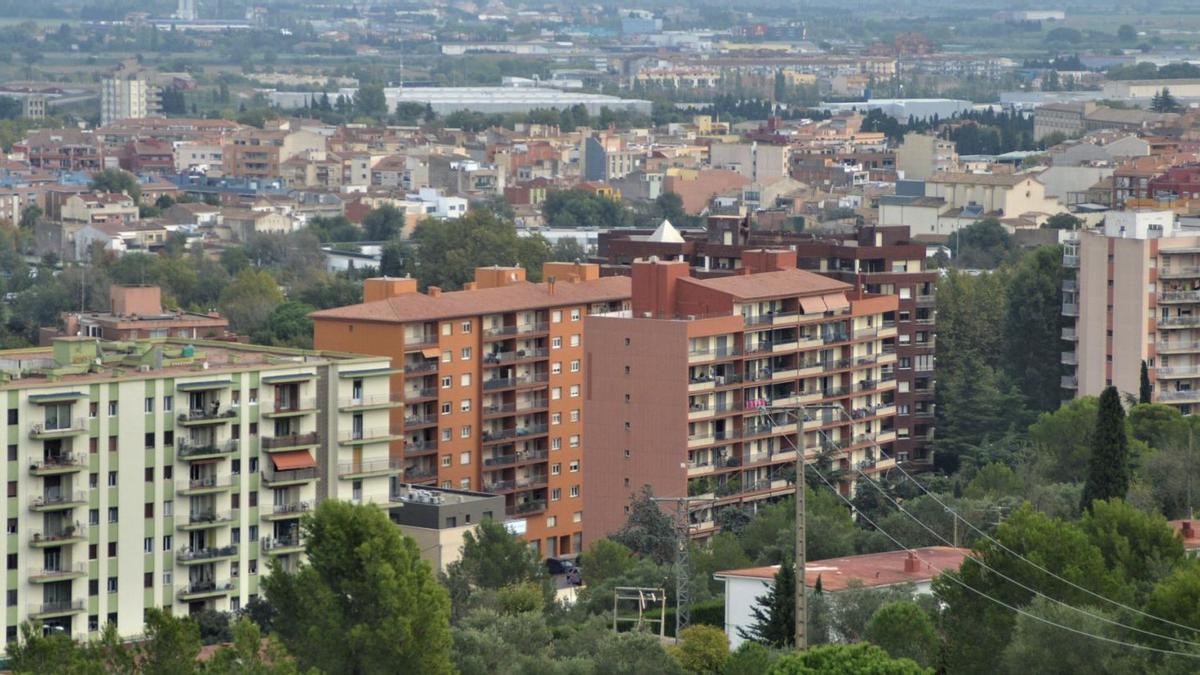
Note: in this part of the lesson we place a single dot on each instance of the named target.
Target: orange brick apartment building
(677, 389)
(487, 392)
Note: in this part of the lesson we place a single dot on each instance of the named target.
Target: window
(555, 418)
(556, 393)
(466, 327)
(168, 508)
(447, 408)
(466, 431)
(447, 356)
(446, 460)
(556, 316)
(235, 534)
(464, 483)
(575, 340)
(112, 479)
(574, 391)
(253, 398)
(93, 480)
(253, 534)
(556, 368)
(253, 503)
(11, 598)
(112, 514)
(12, 452)
(149, 440)
(575, 415)
(555, 469)
(575, 315)
(93, 411)
(12, 488)
(111, 586)
(551, 521)
(149, 509)
(574, 490)
(148, 580)
(573, 441)
(93, 516)
(169, 402)
(168, 438)
(464, 457)
(627, 370)
(253, 465)
(168, 472)
(148, 544)
(235, 569)
(12, 525)
(235, 397)
(556, 494)
(556, 342)
(464, 380)
(112, 443)
(12, 416)
(556, 443)
(235, 467)
(447, 381)
(447, 328)
(575, 366)
(577, 517)
(168, 541)
(254, 428)
(149, 404)
(10, 561)
(466, 354)
(93, 445)
(574, 466)
(112, 408)
(447, 435)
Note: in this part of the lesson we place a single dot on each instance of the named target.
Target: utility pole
(683, 566)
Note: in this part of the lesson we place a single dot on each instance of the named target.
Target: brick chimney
(383, 288)
(433, 291)
(1187, 530)
(654, 285)
(911, 564)
(759, 260)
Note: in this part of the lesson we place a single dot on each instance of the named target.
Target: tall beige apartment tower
(1136, 298)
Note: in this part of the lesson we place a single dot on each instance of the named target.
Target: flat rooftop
(873, 570)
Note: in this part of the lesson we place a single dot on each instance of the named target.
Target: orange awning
(813, 305)
(836, 301)
(431, 353)
(296, 459)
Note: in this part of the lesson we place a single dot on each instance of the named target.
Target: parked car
(558, 566)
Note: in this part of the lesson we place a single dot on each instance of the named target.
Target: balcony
(372, 435)
(424, 340)
(513, 432)
(46, 610)
(207, 416)
(1179, 322)
(51, 465)
(704, 355)
(415, 475)
(204, 486)
(1068, 359)
(1178, 272)
(1069, 286)
(194, 450)
(1177, 347)
(67, 534)
(418, 421)
(521, 329)
(60, 429)
(282, 545)
(1070, 261)
(501, 358)
(1069, 382)
(1176, 372)
(202, 520)
(302, 406)
(48, 575)
(204, 589)
(194, 556)
(423, 366)
(1178, 396)
(361, 402)
(289, 510)
(515, 459)
(1169, 297)
(1069, 334)
(498, 383)
(290, 441)
(416, 394)
(57, 501)
(374, 467)
(289, 476)
(536, 405)
(526, 508)
(1070, 309)
(422, 447)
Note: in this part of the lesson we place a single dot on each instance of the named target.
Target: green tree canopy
(702, 650)
(581, 208)
(448, 251)
(117, 180)
(905, 631)
(249, 300)
(774, 613)
(1109, 467)
(383, 223)
(364, 601)
(982, 244)
(648, 530)
(856, 658)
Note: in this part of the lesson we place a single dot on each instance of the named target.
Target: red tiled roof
(872, 569)
(513, 298)
(772, 284)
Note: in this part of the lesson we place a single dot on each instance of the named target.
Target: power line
(1004, 576)
(960, 582)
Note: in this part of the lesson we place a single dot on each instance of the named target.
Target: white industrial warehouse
(478, 99)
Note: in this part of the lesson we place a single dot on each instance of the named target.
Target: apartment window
(149, 404)
(556, 393)
(447, 484)
(93, 587)
(556, 494)
(148, 544)
(556, 443)
(466, 431)
(555, 418)
(555, 469)
(93, 445)
(556, 342)
(574, 466)
(574, 491)
(112, 443)
(12, 488)
(149, 440)
(447, 408)
(253, 503)
(149, 509)
(12, 452)
(254, 428)
(112, 514)
(464, 380)
(466, 327)
(112, 549)
(235, 397)
(168, 438)
(575, 340)
(447, 381)
(168, 541)
(12, 525)
(93, 411)
(575, 415)
(253, 566)
(465, 405)
(551, 521)
(93, 516)
(112, 408)
(235, 534)
(447, 356)
(574, 391)
(447, 328)
(112, 479)
(148, 580)
(168, 472)
(626, 342)
(12, 416)
(464, 458)
(168, 508)
(93, 623)
(10, 561)
(111, 617)
(575, 315)
(577, 517)
(627, 370)
(253, 465)
(575, 366)
(253, 534)
(169, 402)
(447, 435)
(464, 484)
(10, 599)
(573, 440)
(93, 551)
(111, 586)
(235, 467)
(235, 569)
(556, 368)
(446, 460)
(253, 397)
(465, 355)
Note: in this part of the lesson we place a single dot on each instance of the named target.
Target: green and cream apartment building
(169, 473)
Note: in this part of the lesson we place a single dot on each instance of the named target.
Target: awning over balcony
(371, 372)
(56, 397)
(812, 305)
(296, 459)
(431, 353)
(835, 301)
(289, 377)
(203, 385)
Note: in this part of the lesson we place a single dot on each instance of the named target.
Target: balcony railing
(1165, 347)
(426, 366)
(518, 355)
(715, 353)
(506, 460)
(423, 340)
(59, 428)
(52, 499)
(370, 466)
(490, 436)
(1070, 309)
(418, 393)
(515, 407)
(282, 541)
(1069, 334)
(525, 508)
(289, 475)
(369, 435)
(1069, 382)
(371, 400)
(199, 587)
(1068, 359)
(190, 554)
(186, 448)
(66, 460)
(205, 482)
(1179, 395)
(1179, 296)
(1179, 322)
(303, 506)
(1177, 371)
(61, 570)
(207, 415)
(206, 518)
(518, 329)
(57, 607)
(1071, 261)
(41, 537)
(1177, 272)
(420, 447)
(295, 405)
(291, 440)
(507, 382)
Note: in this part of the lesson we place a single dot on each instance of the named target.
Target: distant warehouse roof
(445, 100)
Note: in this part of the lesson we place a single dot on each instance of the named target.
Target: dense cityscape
(620, 338)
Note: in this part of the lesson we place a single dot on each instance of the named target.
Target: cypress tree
(1145, 390)
(775, 613)
(1108, 469)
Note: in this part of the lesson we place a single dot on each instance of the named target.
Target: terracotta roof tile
(772, 284)
(872, 569)
(513, 298)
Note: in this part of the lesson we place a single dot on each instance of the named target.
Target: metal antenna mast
(683, 566)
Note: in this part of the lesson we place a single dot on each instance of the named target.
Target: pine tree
(775, 613)
(1145, 390)
(1108, 469)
